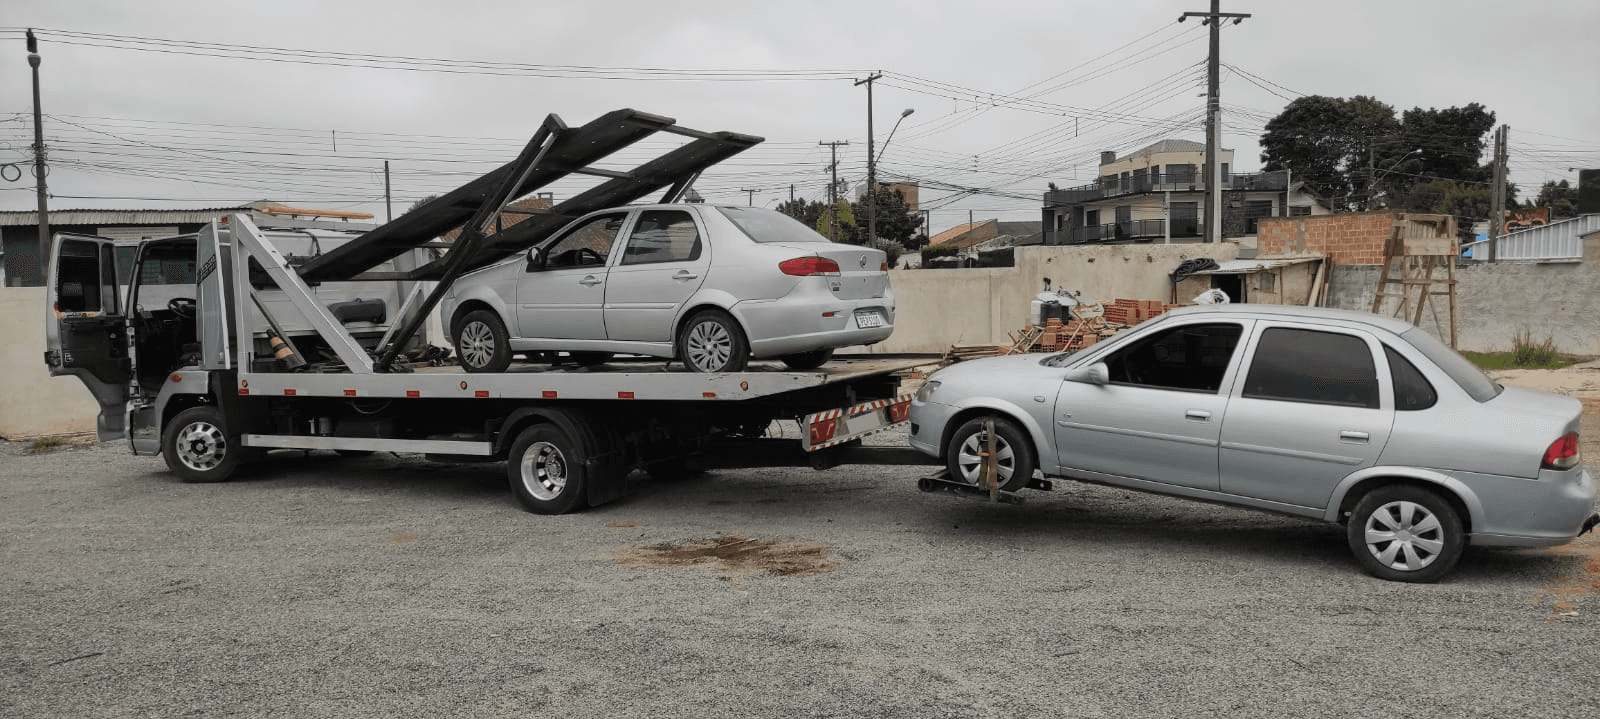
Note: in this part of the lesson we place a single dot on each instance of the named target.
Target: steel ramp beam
(667, 171)
(575, 148)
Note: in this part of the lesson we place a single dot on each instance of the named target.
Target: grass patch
(46, 444)
(1525, 354)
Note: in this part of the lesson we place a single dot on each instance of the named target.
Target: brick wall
(1354, 238)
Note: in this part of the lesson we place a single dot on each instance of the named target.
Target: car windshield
(763, 225)
(1462, 370)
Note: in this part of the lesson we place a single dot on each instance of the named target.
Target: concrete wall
(32, 403)
(1496, 301)
(940, 308)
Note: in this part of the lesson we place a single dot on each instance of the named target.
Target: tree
(1329, 143)
(806, 211)
(1356, 154)
(1561, 197)
(838, 222)
(897, 222)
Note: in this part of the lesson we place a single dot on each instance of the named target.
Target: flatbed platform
(641, 379)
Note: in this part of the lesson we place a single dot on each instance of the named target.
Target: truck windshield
(763, 225)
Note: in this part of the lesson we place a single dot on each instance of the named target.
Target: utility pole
(1497, 200)
(872, 168)
(833, 188)
(1213, 167)
(752, 199)
(388, 199)
(45, 250)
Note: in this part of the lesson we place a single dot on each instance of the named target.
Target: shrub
(1525, 353)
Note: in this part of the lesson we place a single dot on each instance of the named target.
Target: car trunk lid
(861, 274)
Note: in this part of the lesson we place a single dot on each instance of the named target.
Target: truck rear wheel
(546, 471)
(198, 447)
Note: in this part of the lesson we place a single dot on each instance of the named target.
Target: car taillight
(883, 267)
(1562, 454)
(808, 266)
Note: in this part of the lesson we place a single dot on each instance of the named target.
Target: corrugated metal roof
(21, 218)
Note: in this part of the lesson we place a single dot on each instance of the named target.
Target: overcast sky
(199, 104)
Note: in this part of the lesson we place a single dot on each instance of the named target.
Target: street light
(1373, 184)
(872, 172)
(903, 116)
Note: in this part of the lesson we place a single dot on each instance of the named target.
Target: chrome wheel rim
(476, 344)
(710, 346)
(1404, 536)
(201, 446)
(970, 457)
(544, 471)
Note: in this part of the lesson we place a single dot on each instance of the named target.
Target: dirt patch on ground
(733, 554)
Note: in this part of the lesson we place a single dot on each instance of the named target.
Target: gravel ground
(390, 586)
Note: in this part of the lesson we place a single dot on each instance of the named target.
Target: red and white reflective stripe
(829, 419)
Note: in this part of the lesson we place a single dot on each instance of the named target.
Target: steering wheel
(182, 307)
(586, 253)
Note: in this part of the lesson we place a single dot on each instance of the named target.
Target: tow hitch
(940, 481)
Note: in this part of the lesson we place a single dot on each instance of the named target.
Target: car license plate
(867, 319)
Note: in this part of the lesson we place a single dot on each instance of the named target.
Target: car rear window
(763, 225)
(1472, 380)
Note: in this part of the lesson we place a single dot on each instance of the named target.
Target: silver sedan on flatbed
(1340, 416)
(710, 285)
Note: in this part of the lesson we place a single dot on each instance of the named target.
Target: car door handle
(589, 281)
(1353, 436)
(684, 275)
(1197, 415)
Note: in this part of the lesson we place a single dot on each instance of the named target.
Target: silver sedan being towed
(1340, 416)
(712, 286)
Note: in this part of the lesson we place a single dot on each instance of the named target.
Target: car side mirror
(536, 259)
(1096, 373)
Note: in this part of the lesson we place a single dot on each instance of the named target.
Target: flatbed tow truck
(263, 332)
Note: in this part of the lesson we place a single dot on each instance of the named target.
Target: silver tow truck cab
(138, 327)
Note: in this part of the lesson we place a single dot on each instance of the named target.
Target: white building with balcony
(1158, 195)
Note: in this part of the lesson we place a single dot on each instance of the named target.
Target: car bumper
(1563, 512)
(928, 420)
(805, 327)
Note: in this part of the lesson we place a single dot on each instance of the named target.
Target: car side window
(587, 244)
(662, 236)
(1297, 365)
(1412, 391)
(1189, 357)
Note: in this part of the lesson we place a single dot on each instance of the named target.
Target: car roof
(1245, 309)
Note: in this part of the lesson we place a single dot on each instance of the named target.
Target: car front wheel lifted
(1013, 453)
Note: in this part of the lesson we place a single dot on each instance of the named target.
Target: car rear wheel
(711, 341)
(964, 455)
(1406, 534)
(482, 342)
(808, 360)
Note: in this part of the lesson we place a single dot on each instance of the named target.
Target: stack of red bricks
(1132, 312)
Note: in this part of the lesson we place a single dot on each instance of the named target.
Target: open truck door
(86, 332)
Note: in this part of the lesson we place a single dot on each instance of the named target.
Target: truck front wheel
(545, 470)
(198, 447)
